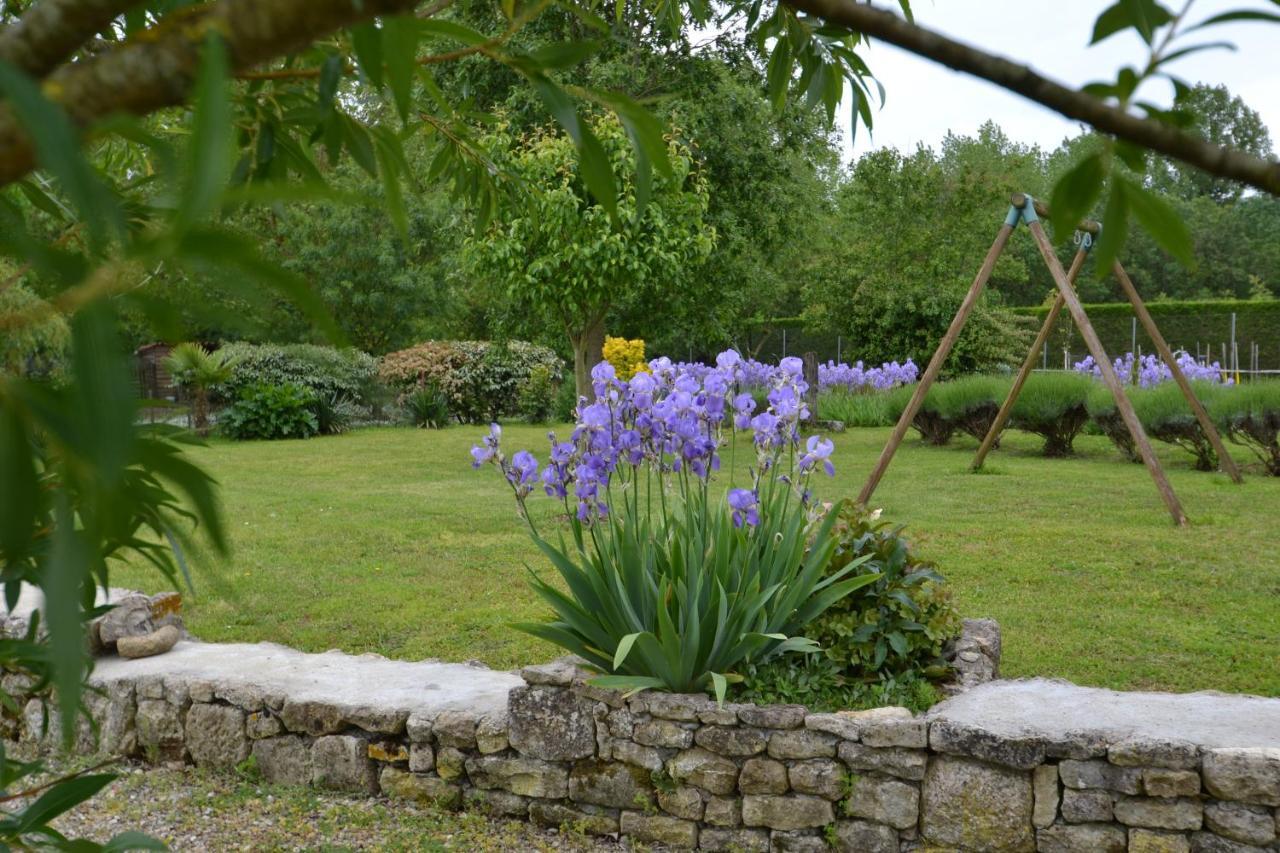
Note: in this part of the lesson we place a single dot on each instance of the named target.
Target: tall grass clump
(929, 422)
(1053, 406)
(1250, 414)
(971, 403)
(855, 409)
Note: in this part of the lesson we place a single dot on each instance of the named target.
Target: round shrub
(929, 422)
(481, 380)
(971, 403)
(263, 411)
(1053, 406)
(335, 374)
(1250, 413)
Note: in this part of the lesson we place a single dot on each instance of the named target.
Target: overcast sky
(925, 100)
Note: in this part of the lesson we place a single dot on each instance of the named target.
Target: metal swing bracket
(1024, 214)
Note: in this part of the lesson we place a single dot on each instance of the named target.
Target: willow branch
(1164, 139)
(157, 69)
(52, 30)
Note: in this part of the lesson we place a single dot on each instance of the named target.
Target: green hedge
(1183, 324)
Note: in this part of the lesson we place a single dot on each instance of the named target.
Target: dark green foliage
(327, 371)
(427, 407)
(39, 350)
(895, 626)
(1250, 413)
(820, 684)
(566, 403)
(929, 422)
(482, 381)
(1053, 405)
(971, 402)
(539, 396)
(855, 410)
(1184, 324)
(335, 413)
(265, 411)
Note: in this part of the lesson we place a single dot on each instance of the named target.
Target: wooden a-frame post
(1025, 209)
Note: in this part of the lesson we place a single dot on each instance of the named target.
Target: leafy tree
(560, 254)
(1225, 119)
(914, 232)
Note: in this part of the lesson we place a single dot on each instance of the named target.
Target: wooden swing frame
(1024, 209)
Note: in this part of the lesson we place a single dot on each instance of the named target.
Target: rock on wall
(683, 772)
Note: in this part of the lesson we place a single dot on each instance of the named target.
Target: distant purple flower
(488, 448)
(743, 502)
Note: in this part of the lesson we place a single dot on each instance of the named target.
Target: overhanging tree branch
(1156, 136)
(52, 30)
(156, 71)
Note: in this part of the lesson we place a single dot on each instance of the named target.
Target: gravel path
(199, 811)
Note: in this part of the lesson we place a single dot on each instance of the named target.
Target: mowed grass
(386, 540)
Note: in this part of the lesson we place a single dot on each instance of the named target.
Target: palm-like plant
(197, 370)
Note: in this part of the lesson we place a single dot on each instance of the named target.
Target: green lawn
(386, 540)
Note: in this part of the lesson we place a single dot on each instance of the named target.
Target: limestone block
(284, 760)
(821, 777)
(895, 761)
(1090, 805)
(1239, 822)
(659, 829)
(763, 776)
(456, 729)
(216, 735)
(1044, 785)
(860, 836)
(1163, 782)
(680, 801)
(341, 763)
(1244, 775)
(1022, 753)
(772, 716)
(610, 783)
(663, 733)
(731, 740)
(891, 801)
(1151, 841)
(422, 758)
(1159, 813)
(427, 790)
(528, 777)
(706, 770)
(734, 840)
(795, 811)
(1100, 774)
(802, 743)
(159, 726)
(550, 723)
(1154, 752)
(1082, 838)
(977, 806)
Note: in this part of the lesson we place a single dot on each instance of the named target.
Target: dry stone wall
(682, 772)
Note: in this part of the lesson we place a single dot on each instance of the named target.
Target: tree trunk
(588, 351)
(200, 411)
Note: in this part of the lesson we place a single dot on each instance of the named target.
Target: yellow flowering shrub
(627, 357)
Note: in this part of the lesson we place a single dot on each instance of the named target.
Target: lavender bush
(1151, 370)
(673, 581)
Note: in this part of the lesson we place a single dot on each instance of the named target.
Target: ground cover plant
(384, 542)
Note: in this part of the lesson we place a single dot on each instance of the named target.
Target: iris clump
(1151, 371)
(671, 580)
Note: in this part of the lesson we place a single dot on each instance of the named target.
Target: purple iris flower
(744, 504)
(488, 448)
(818, 450)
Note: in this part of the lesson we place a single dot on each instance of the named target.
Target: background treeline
(876, 253)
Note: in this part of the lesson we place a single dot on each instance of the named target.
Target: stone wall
(680, 771)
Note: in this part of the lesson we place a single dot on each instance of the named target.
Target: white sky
(925, 99)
